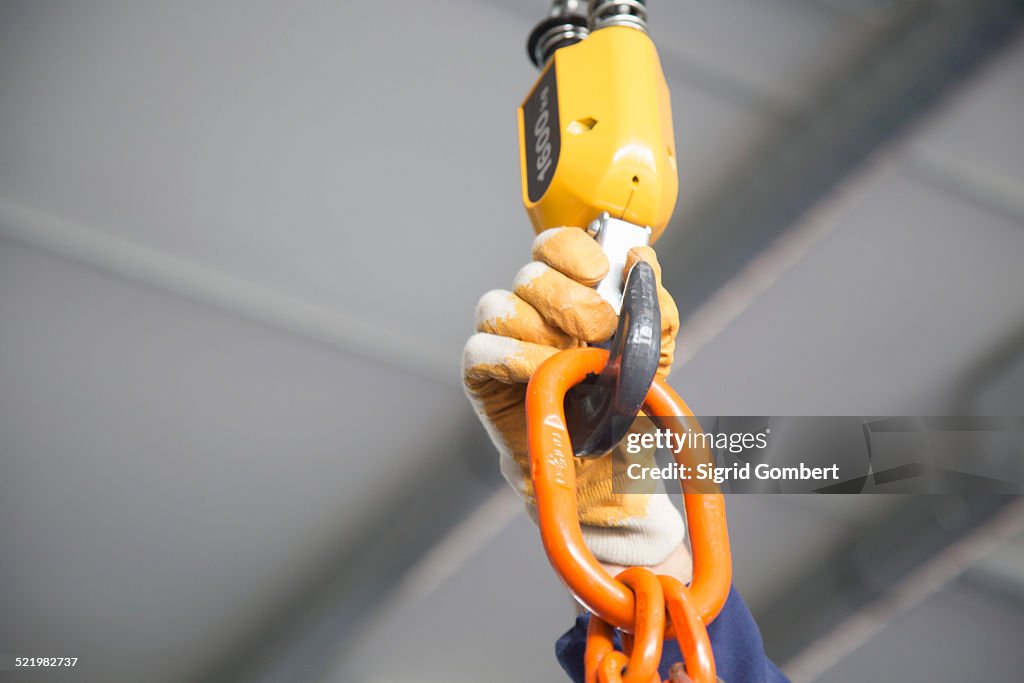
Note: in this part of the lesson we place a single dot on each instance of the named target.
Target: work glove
(554, 306)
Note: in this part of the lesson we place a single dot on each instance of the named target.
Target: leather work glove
(554, 306)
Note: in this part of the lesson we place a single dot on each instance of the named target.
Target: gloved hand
(554, 307)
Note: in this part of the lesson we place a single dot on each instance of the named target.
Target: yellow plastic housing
(617, 148)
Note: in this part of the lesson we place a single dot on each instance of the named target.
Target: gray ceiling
(240, 246)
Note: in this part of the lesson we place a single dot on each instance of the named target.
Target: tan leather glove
(553, 307)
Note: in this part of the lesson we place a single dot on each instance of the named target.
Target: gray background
(240, 247)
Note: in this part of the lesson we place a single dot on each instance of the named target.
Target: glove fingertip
(494, 305)
(485, 351)
(490, 356)
(572, 252)
(645, 254)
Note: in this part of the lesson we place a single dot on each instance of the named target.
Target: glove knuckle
(495, 304)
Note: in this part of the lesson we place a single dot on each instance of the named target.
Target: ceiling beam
(907, 67)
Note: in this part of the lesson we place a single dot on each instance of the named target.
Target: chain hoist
(597, 150)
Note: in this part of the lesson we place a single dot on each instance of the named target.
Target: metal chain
(641, 656)
(635, 601)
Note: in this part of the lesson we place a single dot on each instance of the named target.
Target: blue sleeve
(735, 640)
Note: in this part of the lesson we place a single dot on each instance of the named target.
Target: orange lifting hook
(611, 600)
